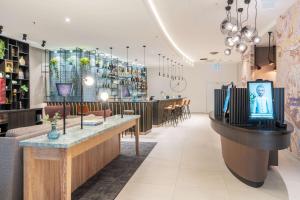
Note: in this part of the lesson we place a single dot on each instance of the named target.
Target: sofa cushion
(51, 110)
(108, 112)
(36, 130)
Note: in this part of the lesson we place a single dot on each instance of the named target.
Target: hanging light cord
(246, 20)
(255, 13)
(237, 13)
(127, 48)
(159, 64)
(269, 51)
(163, 66)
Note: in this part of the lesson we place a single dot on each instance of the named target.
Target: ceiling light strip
(162, 26)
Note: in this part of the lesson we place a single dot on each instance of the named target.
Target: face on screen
(261, 100)
(260, 90)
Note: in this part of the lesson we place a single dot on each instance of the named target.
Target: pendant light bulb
(227, 26)
(256, 40)
(236, 39)
(229, 42)
(227, 52)
(242, 47)
(248, 33)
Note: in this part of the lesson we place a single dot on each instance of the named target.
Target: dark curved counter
(249, 151)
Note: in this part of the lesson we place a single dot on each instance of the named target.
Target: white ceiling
(192, 24)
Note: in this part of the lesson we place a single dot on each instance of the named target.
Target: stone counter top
(76, 135)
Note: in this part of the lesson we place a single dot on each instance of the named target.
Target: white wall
(37, 91)
(201, 80)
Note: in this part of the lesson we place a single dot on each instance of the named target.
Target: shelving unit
(109, 74)
(17, 53)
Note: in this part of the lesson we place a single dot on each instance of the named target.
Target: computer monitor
(260, 98)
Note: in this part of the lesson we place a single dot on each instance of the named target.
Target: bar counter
(158, 109)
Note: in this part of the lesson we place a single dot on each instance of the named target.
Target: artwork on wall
(288, 67)
(9, 66)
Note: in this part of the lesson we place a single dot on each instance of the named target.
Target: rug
(108, 183)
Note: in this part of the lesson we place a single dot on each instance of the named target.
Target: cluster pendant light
(238, 33)
(170, 68)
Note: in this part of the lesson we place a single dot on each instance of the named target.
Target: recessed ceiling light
(67, 19)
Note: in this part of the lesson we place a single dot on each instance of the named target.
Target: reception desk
(158, 109)
(53, 169)
(249, 151)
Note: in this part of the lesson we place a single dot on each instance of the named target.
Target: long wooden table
(53, 169)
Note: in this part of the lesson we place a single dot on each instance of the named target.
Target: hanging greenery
(54, 67)
(2, 49)
(84, 62)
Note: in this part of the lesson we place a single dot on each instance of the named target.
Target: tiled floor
(187, 164)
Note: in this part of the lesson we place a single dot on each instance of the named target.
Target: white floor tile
(187, 164)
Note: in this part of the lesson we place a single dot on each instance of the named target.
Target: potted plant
(23, 90)
(2, 49)
(54, 67)
(53, 134)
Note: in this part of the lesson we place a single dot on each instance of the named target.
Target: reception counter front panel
(249, 151)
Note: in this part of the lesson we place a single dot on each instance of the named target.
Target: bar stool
(170, 112)
(179, 109)
(188, 108)
(185, 112)
(167, 114)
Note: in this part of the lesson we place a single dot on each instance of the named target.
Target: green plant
(54, 67)
(84, 61)
(52, 120)
(2, 49)
(24, 88)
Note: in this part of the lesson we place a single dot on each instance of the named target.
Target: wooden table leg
(28, 169)
(66, 173)
(137, 136)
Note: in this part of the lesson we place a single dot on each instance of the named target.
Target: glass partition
(111, 75)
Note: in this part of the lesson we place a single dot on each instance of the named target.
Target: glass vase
(53, 134)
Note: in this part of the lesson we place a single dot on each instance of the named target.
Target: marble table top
(75, 135)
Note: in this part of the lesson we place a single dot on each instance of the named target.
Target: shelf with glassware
(14, 74)
(109, 73)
